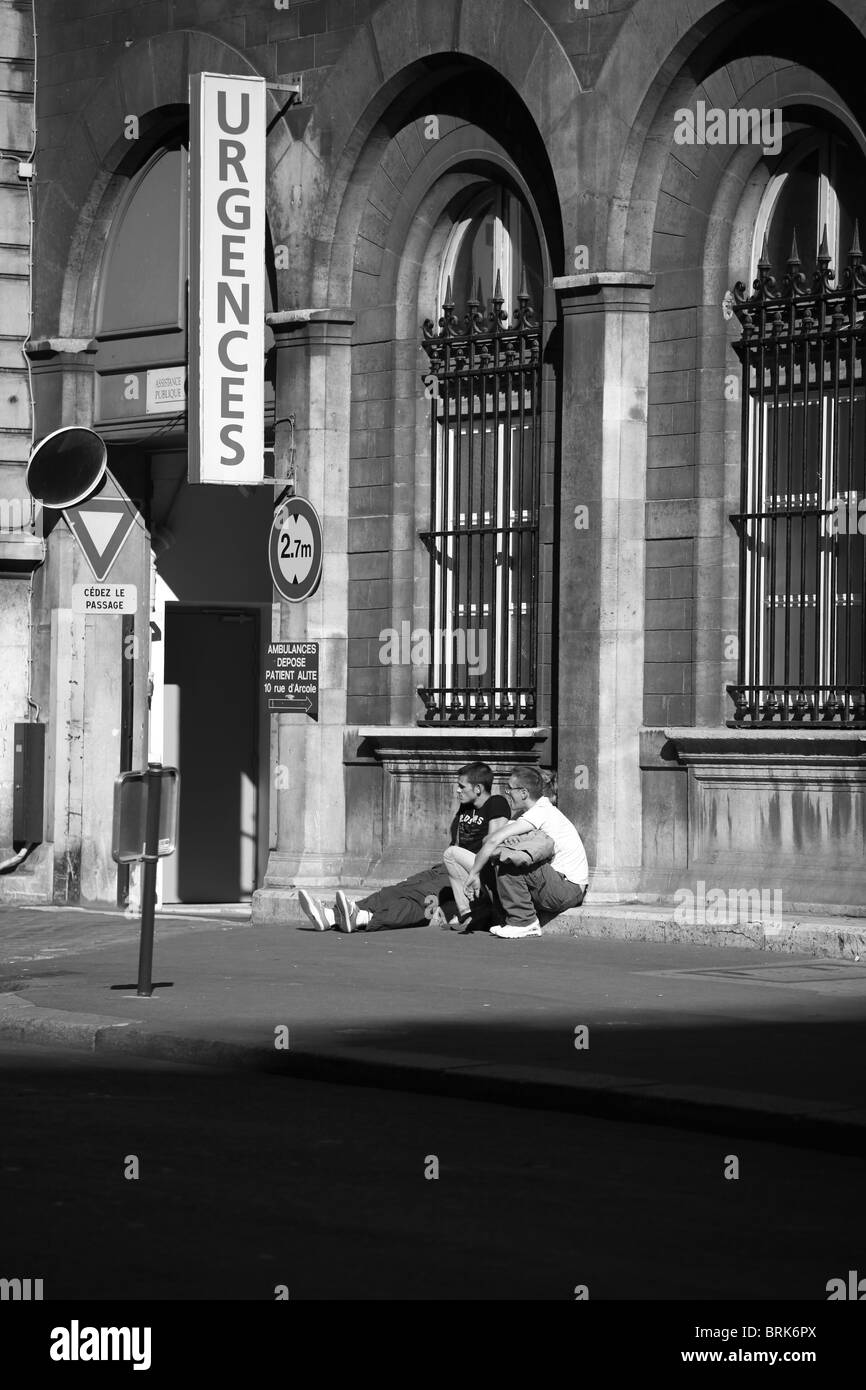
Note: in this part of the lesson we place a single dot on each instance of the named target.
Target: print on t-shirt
(472, 823)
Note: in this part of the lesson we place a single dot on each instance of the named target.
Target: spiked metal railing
(483, 538)
(802, 517)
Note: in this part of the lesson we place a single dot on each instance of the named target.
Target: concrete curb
(842, 938)
(775, 1119)
(839, 937)
(21, 1021)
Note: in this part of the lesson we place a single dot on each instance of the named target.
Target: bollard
(153, 792)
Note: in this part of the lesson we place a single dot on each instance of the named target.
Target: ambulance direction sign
(295, 549)
(292, 678)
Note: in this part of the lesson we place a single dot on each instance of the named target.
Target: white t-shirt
(569, 856)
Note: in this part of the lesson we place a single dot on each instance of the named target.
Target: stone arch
(666, 59)
(478, 158)
(723, 247)
(387, 72)
(401, 236)
(149, 81)
(686, 214)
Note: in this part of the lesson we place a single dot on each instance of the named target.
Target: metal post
(153, 792)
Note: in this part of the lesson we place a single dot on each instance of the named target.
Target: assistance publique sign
(226, 278)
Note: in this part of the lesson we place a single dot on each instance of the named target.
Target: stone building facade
(616, 475)
(20, 546)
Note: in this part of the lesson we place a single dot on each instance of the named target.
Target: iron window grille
(802, 518)
(483, 540)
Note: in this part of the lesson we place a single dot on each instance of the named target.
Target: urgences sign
(227, 278)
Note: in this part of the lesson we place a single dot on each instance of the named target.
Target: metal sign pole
(153, 789)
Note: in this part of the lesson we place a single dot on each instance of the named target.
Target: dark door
(211, 662)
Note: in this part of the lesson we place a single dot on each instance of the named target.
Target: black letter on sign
(233, 248)
(223, 353)
(234, 160)
(241, 210)
(226, 439)
(226, 297)
(223, 118)
(228, 398)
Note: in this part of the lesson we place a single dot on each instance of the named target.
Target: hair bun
(550, 784)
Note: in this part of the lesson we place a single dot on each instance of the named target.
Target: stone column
(605, 318)
(313, 385)
(66, 685)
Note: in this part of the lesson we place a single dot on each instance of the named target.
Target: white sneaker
(313, 909)
(512, 933)
(346, 914)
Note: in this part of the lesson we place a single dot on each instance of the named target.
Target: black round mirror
(66, 466)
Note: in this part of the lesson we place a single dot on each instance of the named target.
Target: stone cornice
(51, 347)
(598, 279)
(289, 318)
(772, 745)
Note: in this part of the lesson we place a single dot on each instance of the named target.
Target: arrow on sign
(100, 527)
(292, 706)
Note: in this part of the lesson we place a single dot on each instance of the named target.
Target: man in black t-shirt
(409, 904)
(471, 825)
(477, 818)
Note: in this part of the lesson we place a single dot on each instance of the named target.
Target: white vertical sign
(226, 279)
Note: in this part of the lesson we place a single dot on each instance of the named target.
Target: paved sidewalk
(737, 1040)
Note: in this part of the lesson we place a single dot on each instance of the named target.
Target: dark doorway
(211, 675)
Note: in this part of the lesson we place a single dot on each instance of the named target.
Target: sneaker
(346, 914)
(464, 924)
(512, 933)
(313, 909)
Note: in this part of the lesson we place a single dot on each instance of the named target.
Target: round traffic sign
(295, 549)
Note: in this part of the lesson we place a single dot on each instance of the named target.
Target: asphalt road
(246, 1183)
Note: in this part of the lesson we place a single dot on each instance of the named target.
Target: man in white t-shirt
(551, 887)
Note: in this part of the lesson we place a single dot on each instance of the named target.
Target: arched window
(144, 282)
(485, 388)
(142, 306)
(496, 235)
(802, 518)
(819, 186)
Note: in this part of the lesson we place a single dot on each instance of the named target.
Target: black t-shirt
(472, 823)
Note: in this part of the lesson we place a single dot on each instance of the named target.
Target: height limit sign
(292, 678)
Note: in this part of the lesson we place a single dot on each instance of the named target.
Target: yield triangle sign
(100, 526)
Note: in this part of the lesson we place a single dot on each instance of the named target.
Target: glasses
(511, 791)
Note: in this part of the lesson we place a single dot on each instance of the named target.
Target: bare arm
(493, 841)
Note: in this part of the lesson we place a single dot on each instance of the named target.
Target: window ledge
(20, 554)
(382, 743)
(694, 745)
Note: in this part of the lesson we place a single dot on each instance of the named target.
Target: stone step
(811, 934)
